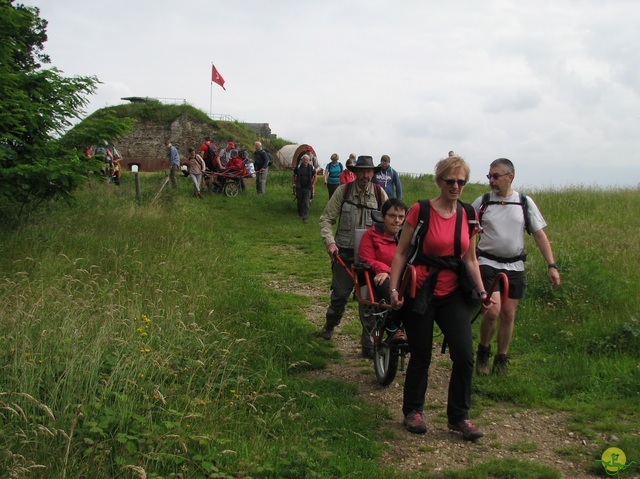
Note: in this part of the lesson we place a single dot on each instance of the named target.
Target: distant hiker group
(211, 166)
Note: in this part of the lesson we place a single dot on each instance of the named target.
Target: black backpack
(420, 233)
(210, 155)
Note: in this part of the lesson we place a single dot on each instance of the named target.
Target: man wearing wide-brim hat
(350, 205)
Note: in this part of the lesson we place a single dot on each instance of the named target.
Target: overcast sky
(552, 85)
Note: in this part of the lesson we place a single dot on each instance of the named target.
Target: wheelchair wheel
(385, 362)
(231, 188)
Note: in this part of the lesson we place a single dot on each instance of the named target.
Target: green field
(143, 337)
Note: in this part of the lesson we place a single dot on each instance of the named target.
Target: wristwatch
(553, 265)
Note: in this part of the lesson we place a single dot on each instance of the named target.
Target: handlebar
(407, 284)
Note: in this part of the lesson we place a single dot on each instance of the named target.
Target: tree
(36, 106)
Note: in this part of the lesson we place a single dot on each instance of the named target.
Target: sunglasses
(495, 176)
(460, 183)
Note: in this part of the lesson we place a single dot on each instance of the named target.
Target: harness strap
(499, 259)
(457, 237)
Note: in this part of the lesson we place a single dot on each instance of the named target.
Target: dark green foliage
(97, 127)
(36, 106)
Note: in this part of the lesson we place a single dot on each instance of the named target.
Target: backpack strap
(347, 193)
(421, 230)
(525, 212)
(523, 204)
(420, 233)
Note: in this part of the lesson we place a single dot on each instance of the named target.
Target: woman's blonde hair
(451, 163)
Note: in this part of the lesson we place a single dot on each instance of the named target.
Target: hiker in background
(235, 168)
(505, 215)
(446, 272)
(347, 175)
(174, 162)
(116, 165)
(104, 153)
(224, 155)
(208, 153)
(261, 160)
(332, 174)
(235, 163)
(196, 167)
(313, 159)
(377, 248)
(388, 178)
(350, 206)
(305, 178)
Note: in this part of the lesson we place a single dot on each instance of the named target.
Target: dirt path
(510, 432)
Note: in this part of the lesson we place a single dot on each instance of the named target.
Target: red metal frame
(504, 289)
(408, 283)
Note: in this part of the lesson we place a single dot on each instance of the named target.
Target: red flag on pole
(216, 78)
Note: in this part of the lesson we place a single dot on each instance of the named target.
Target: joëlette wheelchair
(374, 312)
(229, 181)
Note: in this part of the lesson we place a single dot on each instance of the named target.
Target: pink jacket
(377, 248)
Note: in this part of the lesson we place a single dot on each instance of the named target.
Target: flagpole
(211, 94)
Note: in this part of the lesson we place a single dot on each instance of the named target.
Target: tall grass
(147, 338)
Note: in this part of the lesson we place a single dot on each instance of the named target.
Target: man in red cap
(224, 155)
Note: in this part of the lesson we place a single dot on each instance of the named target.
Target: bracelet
(553, 265)
(482, 292)
(394, 290)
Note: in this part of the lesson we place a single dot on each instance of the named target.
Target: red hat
(309, 148)
(231, 144)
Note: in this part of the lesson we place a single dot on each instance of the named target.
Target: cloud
(553, 85)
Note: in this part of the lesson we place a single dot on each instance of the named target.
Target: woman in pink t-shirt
(440, 299)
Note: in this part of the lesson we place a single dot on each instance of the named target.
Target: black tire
(231, 188)
(385, 362)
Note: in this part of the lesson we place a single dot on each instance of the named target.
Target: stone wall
(263, 130)
(144, 145)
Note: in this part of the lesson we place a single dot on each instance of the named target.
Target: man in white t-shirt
(505, 214)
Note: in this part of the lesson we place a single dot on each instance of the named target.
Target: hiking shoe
(469, 431)
(326, 332)
(500, 364)
(482, 360)
(398, 337)
(414, 422)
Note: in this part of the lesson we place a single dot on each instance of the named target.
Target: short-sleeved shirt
(440, 242)
(503, 229)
